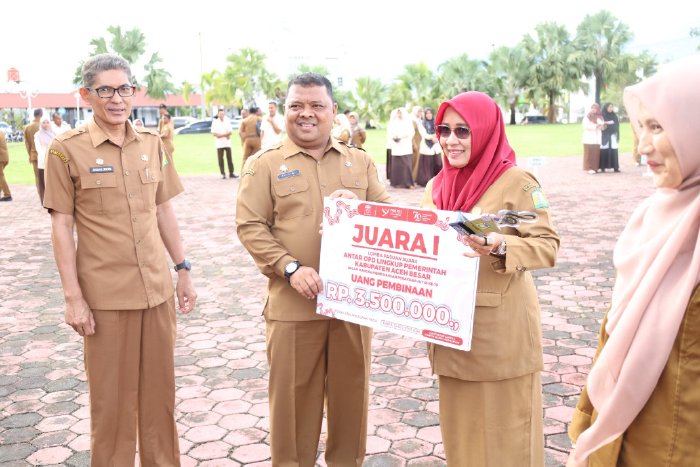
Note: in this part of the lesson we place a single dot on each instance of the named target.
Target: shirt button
(131, 195)
(292, 189)
(133, 219)
(357, 183)
(126, 172)
(98, 182)
(323, 185)
(153, 177)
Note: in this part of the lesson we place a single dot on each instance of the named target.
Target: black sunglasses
(461, 132)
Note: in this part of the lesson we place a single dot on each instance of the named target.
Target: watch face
(291, 267)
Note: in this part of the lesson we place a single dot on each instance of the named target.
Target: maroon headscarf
(459, 189)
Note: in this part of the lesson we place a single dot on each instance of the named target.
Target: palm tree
(157, 79)
(370, 99)
(551, 70)
(246, 73)
(418, 82)
(600, 40)
(508, 67)
(461, 74)
(131, 45)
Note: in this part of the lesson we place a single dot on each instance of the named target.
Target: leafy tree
(370, 99)
(131, 45)
(600, 40)
(508, 68)
(246, 75)
(551, 71)
(157, 79)
(461, 74)
(417, 79)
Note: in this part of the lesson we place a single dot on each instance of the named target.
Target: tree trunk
(598, 85)
(552, 111)
(512, 113)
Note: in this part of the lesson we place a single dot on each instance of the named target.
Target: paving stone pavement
(222, 407)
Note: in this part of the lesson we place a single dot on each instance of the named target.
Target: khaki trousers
(129, 363)
(309, 360)
(35, 167)
(492, 423)
(4, 188)
(251, 145)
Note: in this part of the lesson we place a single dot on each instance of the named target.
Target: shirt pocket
(355, 181)
(149, 186)
(292, 195)
(98, 192)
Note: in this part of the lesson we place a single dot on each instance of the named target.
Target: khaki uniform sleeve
(169, 185)
(255, 219)
(376, 191)
(537, 244)
(584, 414)
(60, 191)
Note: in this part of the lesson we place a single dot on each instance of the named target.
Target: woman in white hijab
(641, 403)
(42, 141)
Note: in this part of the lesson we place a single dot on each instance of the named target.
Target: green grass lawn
(196, 154)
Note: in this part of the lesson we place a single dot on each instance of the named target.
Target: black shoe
(223, 177)
(233, 176)
(617, 170)
(6, 198)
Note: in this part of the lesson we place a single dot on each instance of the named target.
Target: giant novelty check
(397, 269)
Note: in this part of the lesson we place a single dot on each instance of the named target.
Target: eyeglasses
(105, 92)
(461, 132)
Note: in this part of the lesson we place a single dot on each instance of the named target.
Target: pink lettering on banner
(386, 211)
(438, 336)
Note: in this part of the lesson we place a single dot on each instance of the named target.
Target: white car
(179, 122)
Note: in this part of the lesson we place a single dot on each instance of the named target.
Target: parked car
(533, 119)
(200, 126)
(236, 122)
(179, 122)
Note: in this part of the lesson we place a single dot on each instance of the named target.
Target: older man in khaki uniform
(29, 132)
(311, 357)
(114, 184)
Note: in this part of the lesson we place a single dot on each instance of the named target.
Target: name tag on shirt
(293, 173)
(102, 169)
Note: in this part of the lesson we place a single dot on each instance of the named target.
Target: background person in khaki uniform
(248, 131)
(641, 403)
(114, 183)
(4, 160)
(491, 396)
(29, 132)
(278, 213)
(167, 132)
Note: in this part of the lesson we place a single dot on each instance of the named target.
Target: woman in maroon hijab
(491, 396)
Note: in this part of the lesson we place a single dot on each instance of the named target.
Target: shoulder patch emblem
(539, 200)
(59, 154)
(248, 172)
(530, 186)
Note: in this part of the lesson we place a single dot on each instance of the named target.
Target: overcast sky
(46, 40)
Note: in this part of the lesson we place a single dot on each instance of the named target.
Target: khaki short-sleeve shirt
(280, 207)
(112, 193)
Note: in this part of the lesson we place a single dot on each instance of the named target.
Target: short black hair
(38, 113)
(163, 106)
(252, 109)
(306, 80)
